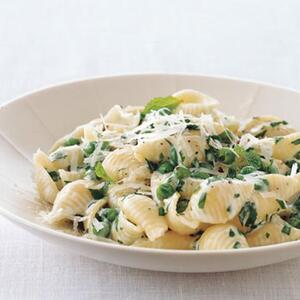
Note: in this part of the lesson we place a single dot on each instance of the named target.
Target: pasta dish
(176, 173)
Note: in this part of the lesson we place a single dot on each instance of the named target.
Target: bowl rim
(124, 248)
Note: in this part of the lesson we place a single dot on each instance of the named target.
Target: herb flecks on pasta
(176, 173)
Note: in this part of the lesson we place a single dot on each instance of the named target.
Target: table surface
(46, 42)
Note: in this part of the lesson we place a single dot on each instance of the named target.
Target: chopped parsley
(152, 166)
(164, 191)
(296, 142)
(267, 235)
(248, 214)
(71, 142)
(165, 167)
(237, 245)
(286, 229)
(182, 172)
(181, 205)
(54, 175)
(261, 134)
(199, 175)
(226, 155)
(202, 200)
(173, 156)
(247, 170)
(281, 203)
(231, 233)
(274, 124)
(278, 139)
(236, 195)
(261, 185)
(161, 211)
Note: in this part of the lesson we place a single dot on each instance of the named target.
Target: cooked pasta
(177, 173)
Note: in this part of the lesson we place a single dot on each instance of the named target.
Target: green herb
(296, 142)
(182, 172)
(165, 167)
(162, 102)
(261, 185)
(182, 157)
(261, 134)
(270, 169)
(199, 175)
(231, 173)
(250, 156)
(57, 155)
(192, 127)
(247, 170)
(54, 175)
(173, 156)
(296, 204)
(278, 139)
(281, 203)
(236, 195)
(105, 146)
(90, 148)
(267, 235)
(71, 142)
(253, 159)
(227, 155)
(202, 200)
(294, 220)
(228, 209)
(181, 205)
(101, 173)
(226, 137)
(297, 155)
(274, 124)
(100, 193)
(286, 229)
(237, 245)
(152, 166)
(248, 214)
(161, 211)
(164, 191)
(231, 233)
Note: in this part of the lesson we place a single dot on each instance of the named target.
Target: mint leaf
(162, 102)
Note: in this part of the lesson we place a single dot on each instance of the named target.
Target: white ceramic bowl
(37, 119)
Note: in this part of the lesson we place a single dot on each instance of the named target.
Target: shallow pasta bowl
(37, 119)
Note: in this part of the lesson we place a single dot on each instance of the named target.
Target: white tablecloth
(45, 42)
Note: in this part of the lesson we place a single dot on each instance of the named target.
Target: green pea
(164, 191)
(104, 231)
(109, 213)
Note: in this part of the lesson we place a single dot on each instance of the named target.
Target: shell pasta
(176, 173)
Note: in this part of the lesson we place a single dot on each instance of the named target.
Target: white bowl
(39, 118)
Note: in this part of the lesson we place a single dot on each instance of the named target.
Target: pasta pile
(175, 174)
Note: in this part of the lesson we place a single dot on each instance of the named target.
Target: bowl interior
(38, 119)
